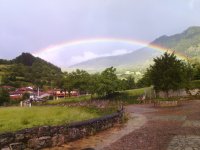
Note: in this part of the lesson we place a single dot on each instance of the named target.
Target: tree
(68, 83)
(145, 80)
(93, 84)
(4, 96)
(108, 82)
(81, 80)
(26, 96)
(168, 73)
(195, 63)
(130, 82)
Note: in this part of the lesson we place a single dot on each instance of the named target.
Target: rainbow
(73, 43)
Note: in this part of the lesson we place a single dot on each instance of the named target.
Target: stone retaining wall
(167, 103)
(50, 136)
(179, 93)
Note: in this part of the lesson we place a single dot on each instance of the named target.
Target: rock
(19, 137)
(44, 131)
(16, 146)
(58, 140)
(38, 143)
(6, 139)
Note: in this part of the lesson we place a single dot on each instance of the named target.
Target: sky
(66, 32)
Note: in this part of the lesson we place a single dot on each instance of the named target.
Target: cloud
(85, 56)
(120, 52)
(91, 55)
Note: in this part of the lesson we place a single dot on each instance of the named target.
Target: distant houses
(35, 93)
(59, 93)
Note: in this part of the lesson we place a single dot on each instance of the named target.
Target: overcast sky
(32, 25)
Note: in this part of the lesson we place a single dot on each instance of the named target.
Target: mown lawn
(16, 118)
(69, 100)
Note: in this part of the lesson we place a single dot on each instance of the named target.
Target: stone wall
(167, 103)
(50, 136)
(179, 93)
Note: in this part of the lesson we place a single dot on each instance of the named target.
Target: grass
(131, 96)
(16, 118)
(135, 92)
(194, 84)
(69, 100)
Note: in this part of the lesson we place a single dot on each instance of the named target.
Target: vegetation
(168, 73)
(186, 43)
(29, 70)
(129, 96)
(4, 96)
(16, 118)
(194, 84)
(69, 100)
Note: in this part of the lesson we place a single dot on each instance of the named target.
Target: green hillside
(187, 43)
(27, 70)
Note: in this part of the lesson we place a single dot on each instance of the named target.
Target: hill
(27, 70)
(187, 43)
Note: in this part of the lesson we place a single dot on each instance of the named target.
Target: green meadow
(16, 118)
(69, 100)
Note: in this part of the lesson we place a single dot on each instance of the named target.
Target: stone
(44, 131)
(5, 148)
(184, 142)
(19, 137)
(38, 143)
(16, 146)
(58, 140)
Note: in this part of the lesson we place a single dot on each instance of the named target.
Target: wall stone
(167, 103)
(49, 136)
(179, 93)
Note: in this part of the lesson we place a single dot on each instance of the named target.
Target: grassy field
(16, 118)
(131, 96)
(69, 100)
(135, 92)
(128, 96)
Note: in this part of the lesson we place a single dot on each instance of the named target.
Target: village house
(58, 93)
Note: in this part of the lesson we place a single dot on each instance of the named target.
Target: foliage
(168, 73)
(194, 84)
(26, 96)
(129, 96)
(16, 118)
(27, 70)
(78, 79)
(145, 80)
(68, 100)
(127, 83)
(108, 82)
(195, 63)
(4, 96)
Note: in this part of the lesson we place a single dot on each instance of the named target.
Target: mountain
(187, 43)
(27, 70)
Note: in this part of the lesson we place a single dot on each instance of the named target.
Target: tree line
(102, 84)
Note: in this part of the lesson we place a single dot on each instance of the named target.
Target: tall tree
(168, 73)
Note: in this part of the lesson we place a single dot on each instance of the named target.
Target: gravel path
(175, 128)
(149, 128)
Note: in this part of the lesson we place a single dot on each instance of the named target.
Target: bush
(194, 84)
(4, 96)
(26, 96)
